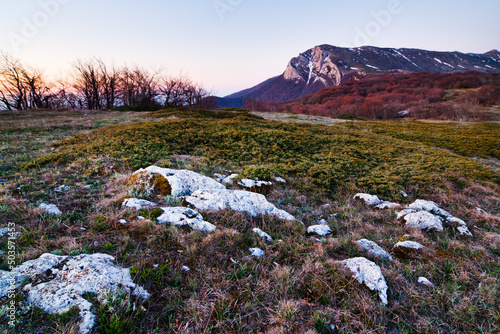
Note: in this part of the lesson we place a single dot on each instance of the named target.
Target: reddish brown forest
(421, 95)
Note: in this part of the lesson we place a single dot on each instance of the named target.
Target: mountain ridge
(325, 66)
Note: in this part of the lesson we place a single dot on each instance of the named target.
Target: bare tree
(181, 91)
(22, 87)
(96, 83)
(138, 86)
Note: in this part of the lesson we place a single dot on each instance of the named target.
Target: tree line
(94, 85)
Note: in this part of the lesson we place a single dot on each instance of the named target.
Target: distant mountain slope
(326, 66)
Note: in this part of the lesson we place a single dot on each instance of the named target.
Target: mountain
(325, 66)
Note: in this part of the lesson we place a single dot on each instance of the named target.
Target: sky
(230, 45)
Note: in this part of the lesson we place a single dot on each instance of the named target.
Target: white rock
(388, 205)
(185, 268)
(279, 179)
(424, 220)
(180, 216)
(62, 189)
(80, 274)
(257, 252)
(403, 193)
(137, 203)
(140, 218)
(323, 222)
(367, 272)
(462, 226)
(122, 221)
(51, 209)
(320, 230)
(425, 282)
(374, 249)
(263, 234)
(429, 206)
(183, 182)
(368, 199)
(237, 200)
(410, 244)
(228, 181)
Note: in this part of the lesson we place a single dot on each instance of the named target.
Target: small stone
(374, 249)
(410, 244)
(279, 179)
(425, 282)
(140, 218)
(368, 199)
(62, 189)
(263, 234)
(185, 268)
(137, 203)
(462, 226)
(122, 221)
(257, 252)
(405, 195)
(156, 265)
(320, 230)
(323, 222)
(51, 209)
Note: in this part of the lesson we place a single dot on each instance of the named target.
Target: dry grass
(298, 287)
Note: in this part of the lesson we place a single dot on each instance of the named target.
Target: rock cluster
(421, 214)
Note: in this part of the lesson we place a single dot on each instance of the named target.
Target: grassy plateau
(297, 287)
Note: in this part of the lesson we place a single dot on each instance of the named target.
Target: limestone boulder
(424, 220)
(237, 200)
(368, 273)
(59, 283)
(173, 182)
(371, 200)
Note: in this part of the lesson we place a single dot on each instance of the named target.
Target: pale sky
(229, 45)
